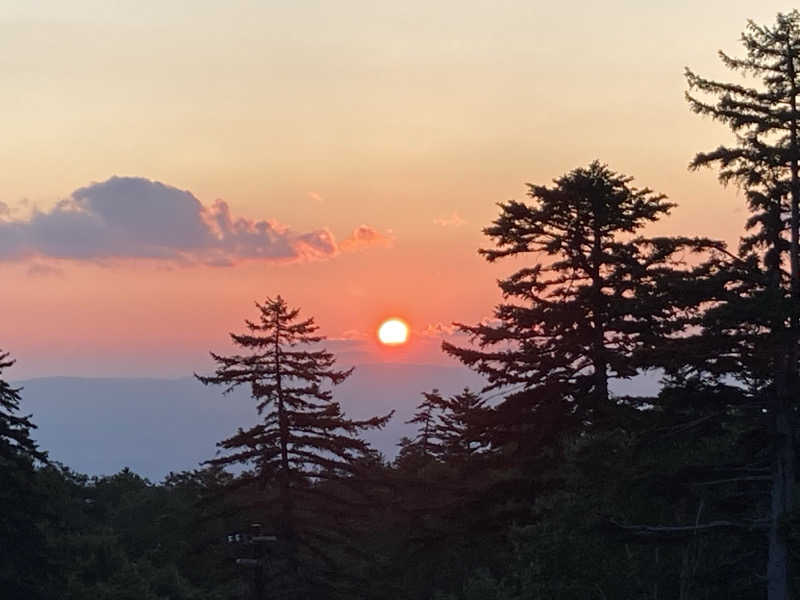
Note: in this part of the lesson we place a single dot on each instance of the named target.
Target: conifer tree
(20, 558)
(425, 446)
(16, 445)
(439, 484)
(303, 442)
(582, 308)
(461, 426)
(764, 161)
(448, 429)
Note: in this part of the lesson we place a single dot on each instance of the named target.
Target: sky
(166, 164)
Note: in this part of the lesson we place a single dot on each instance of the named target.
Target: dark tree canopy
(449, 429)
(755, 324)
(586, 303)
(764, 119)
(461, 426)
(425, 445)
(16, 445)
(21, 562)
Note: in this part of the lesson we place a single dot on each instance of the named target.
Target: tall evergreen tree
(21, 559)
(439, 482)
(448, 429)
(585, 306)
(303, 441)
(424, 447)
(461, 427)
(765, 161)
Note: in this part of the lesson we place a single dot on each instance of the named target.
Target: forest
(543, 484)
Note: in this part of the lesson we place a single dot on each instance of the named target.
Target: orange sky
(325, 116)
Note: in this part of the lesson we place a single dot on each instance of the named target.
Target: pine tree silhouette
(303, 445)
(583, 310)
(765, 162)
(21, 558)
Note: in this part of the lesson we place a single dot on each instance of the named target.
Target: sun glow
(393, 332)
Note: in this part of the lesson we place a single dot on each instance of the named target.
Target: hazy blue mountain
(154, 426)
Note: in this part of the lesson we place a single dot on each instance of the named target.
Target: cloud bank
(134, 217)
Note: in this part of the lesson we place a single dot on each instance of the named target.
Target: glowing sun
(393, 332)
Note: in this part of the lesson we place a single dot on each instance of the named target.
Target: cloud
(445, 330)
(316, 197)
(42, 270)
(351, 334)
(133, 217)
(364, 236)
(439, 329)
(453, 220)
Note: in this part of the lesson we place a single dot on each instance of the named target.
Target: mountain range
(153, 426)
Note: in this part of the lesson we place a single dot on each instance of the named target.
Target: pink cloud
(364, 236)
(439, 329)
(453, 220)
(353, 334)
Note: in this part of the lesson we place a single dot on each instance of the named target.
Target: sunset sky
(165, 164)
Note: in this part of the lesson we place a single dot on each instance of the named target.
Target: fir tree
(303, 444)
(16, 446)
(439, 482)
(448, 429)
(425, 446)
(21, 561)
(764, 161)
(583, 309)
(461, 427)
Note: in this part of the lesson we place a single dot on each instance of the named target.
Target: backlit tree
(763, 321)
(585, 304)
(303, 444)
(21, 561)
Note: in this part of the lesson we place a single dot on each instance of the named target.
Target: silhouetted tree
(448, 429)
(461, 427)
(303, 445)
(21, 553)
(424, 447)
(765, 161)
(585, 306)
(438, 481)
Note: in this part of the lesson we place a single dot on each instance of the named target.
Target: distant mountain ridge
(154, 426)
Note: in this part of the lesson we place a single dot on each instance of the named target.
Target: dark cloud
(133, 217)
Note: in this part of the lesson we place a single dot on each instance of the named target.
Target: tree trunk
(284, 434)
(778, 575)
(599, 362)
(778, 578)
(287, 525)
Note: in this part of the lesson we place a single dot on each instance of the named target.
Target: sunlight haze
(412, 120)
